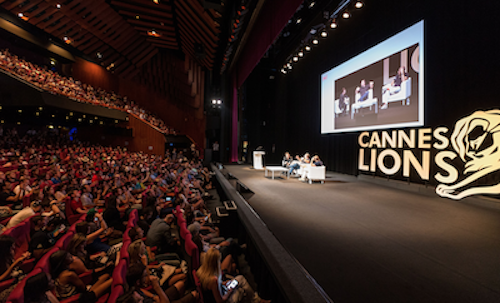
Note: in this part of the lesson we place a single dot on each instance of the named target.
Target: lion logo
(476, 139)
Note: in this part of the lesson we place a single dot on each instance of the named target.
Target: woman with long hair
(38, 289)
(83, 261)
(67, 282)
(211, 278)
(137, 252)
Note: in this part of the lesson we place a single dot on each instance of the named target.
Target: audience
(74, 89)
(38, 289)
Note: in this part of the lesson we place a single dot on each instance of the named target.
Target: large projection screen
(380, 88)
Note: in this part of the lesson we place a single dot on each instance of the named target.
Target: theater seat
(116, 292)
(17, 295)
(21, 234)
(197, 283)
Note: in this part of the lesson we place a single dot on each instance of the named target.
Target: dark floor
(369, 243)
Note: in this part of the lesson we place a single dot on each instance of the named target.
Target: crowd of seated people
(53, 82)
(77, 205)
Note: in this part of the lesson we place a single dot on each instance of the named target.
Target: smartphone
(168, 199)
(232, 284)
(96, 219)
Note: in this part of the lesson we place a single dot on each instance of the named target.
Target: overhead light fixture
(219, 101)
(67, 40)
(58, 6)
(315, 41)
(154, 33)
(295, 59)
(19, 110)
(37, 114)
(52, 62)
(312, 4)
(99, 55)
(299, 20)
(79, 119)
(301, 54)
(312, 31)
(324, 34)
(214, 101)
(346, 15)
(307, 48)
(156, 1)
(283, 71)
(333, 24)
(137, 17)
(20, 15)
(359, 4)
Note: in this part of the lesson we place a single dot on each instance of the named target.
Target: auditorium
(249, 151)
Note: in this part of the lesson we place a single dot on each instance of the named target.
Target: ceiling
(125, 34)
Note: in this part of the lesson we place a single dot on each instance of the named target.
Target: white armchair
(304, 168)
(370, 102)
(337, 106)
(316, 173)
(402, 95)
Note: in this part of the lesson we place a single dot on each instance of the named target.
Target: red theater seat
(21, 233)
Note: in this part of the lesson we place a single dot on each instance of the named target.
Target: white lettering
(403, 138)
(373, 166)
(452, 171)
(397, 162)
(424, 138)
(422, 170)
(361, 162)
(360, 139)
(389, 139)
(443, 141)
(375, 140)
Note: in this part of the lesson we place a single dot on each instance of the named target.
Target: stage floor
(364, 242)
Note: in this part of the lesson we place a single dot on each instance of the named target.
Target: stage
(365, 242)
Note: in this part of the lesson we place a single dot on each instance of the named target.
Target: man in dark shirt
(7, 196)
(43, 237)
(160, 235)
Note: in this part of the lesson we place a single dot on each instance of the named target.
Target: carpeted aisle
(368, 243)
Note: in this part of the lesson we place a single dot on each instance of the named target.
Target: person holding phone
(214, 289)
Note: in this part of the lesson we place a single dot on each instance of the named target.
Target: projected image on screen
(380, 88)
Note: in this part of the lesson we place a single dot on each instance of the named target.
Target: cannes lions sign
(475, 141)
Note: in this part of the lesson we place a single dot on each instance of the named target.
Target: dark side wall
(461, 73)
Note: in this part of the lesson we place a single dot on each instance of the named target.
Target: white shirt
(24, 214)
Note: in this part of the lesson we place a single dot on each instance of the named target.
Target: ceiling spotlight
(290, 67)
(40, 108)
(99, 55)
(301, 54)
(137, 17)
(315, 41)
(283, 71)
(312, 4)
(359, 4)
(79, 119)
(20, 15)
(307, 48)
(219, 102)
(299, 20)
(214, 101)
(156, 1)
(154, 33)
(324, 34)
(37, 113)
(19, 110)
(346, 15)
(333, 24)
(312, 31)
(84, 116)
(58, 5)
(295, 59)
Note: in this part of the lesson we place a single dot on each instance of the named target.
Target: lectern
(258, 163)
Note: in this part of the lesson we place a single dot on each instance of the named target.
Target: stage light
(219, 102)
(137, 17)
(333, 24)
(288, 65)
(301, 54)
(79, 119)
(156, 1)
(18, 123)
(67, 117)
(20, 111)
(37, 114)
(101, 123)
(295, 59)
(40, 108)
(116, 121)
(58, 6)
(71, 113)
(50, 126)
(91, 121)
(214, 101)
(2, 121)
(346, 15)
(96, 118)
(53, 116)
(20, 15)
(315, 41)
(52, 62)
(312, 4)
(99, 55)
(324, 34)
(84, 116)
(307, 48)
(283, 71)
(359, 4)
(299, 20)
